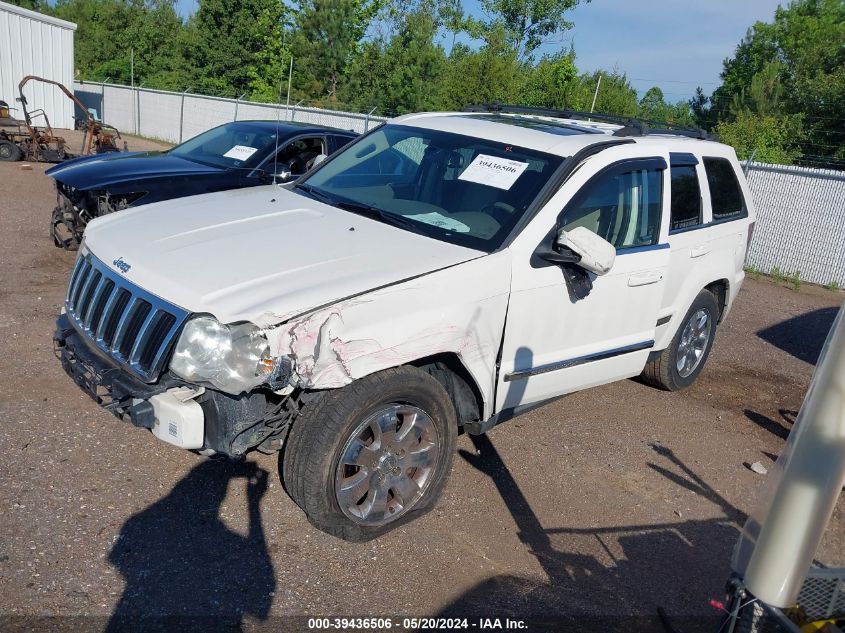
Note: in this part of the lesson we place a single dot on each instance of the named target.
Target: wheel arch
(719, 287)
(721, 290)
(449, 370)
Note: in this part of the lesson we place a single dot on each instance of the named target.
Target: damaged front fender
(459, 310)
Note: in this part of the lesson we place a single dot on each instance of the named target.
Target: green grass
(833, 285)
(795, 280)
(776, 274)
(753, 272)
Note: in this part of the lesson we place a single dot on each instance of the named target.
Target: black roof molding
(630, 126)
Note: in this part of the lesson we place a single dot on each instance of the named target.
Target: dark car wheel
(677, 366)
(375, 454)
(9, 151)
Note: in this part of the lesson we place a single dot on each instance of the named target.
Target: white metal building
(32, 43)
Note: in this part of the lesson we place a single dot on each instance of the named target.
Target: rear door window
(725, 193)
(686, 198)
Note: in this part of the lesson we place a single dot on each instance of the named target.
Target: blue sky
(679, 43)
(674, 44)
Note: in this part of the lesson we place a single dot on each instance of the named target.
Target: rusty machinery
(25, 140)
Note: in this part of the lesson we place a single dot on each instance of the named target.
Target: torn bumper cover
(75, 208)
(66, 224)
(176, 412)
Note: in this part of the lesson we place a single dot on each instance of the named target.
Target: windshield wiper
(377, 214)
(360, 208)
(316, 193)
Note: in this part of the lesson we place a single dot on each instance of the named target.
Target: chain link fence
(177, 116)
(800, 222)
(801, 210)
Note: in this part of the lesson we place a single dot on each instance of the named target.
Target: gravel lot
(610, 502)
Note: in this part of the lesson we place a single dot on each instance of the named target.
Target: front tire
(677, 366)
(373, 455)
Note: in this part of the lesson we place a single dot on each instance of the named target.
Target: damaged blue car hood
(103, 170)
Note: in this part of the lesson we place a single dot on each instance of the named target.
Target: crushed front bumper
(110, 386)
(175, 411)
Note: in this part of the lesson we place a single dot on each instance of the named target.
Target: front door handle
(700, 251)
(644, 279)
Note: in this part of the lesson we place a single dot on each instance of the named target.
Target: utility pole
(290, 76)
(595, 95)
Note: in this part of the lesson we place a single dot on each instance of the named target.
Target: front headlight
(233, 358)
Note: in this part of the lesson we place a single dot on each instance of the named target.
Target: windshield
(230, 145)
(455, 188)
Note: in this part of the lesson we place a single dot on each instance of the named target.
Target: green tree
(792, 67)
(653, 107)
(490, 73)
(327, 40)
(552, 82)
(524, 23)
(34, 5)
(703, 114)
(615, 94)
(402, 74)
(765, 138)
(149, 29)
(228, 43)
(271, 62)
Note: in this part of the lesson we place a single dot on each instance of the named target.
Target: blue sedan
(231, 156)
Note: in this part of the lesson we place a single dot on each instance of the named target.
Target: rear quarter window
(725, 193)
(686, 198)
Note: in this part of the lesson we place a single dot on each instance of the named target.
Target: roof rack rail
(631, 126)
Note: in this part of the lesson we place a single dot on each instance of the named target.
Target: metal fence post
(237, 103)
(138, 109)
(182, 113)
(293, 108)
(103, 100)
(367, 120)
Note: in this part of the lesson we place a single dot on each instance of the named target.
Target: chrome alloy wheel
(386, 464)
(693, 342)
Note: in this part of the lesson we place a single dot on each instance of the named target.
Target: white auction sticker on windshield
(435, 219)
(493, 171)
(240, 152)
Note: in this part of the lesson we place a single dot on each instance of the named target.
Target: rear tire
(366, 458)
(9, 151)
(678, 366)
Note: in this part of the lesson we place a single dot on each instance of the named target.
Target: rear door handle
(644, 279)
(700, 251)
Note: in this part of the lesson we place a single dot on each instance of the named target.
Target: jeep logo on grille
(121, 265)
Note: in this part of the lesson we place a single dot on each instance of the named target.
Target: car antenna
(278, 112)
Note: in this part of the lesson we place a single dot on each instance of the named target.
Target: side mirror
(595, 254)
(317, 160)
(283, 172)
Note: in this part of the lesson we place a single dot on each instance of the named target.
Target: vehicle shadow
(802, 336)
(184, 568)
(670, 565)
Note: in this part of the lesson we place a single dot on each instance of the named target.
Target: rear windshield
(451, 187)
(230, 145)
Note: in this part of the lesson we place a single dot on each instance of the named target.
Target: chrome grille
(132, 326)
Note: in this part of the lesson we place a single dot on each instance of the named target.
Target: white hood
(261, 254)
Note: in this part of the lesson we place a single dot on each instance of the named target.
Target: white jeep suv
(441, 274)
